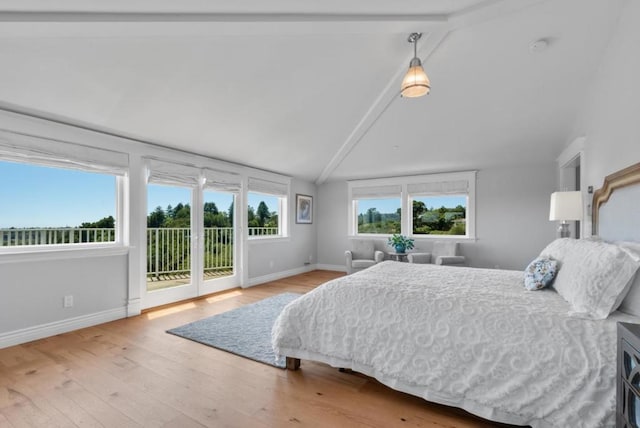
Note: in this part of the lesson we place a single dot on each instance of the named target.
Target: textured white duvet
(470, 338)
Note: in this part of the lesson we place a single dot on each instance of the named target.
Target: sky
(36, 196)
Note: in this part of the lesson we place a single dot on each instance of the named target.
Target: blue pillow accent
(540, 273)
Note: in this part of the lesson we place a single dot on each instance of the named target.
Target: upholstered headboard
(616, 217)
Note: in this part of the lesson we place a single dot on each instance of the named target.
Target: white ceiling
(310, 89)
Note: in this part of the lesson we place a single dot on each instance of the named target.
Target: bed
(475, 338)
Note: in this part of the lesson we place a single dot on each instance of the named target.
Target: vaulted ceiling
(311, 89)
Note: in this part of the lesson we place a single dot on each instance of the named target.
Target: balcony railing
(47, 236)
(263, 231)
(168, 249)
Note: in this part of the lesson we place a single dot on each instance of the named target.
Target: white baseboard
(297, 271)
(57, 327)
(279, 275)
(337, 268)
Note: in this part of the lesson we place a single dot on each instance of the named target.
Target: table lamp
(565, 207)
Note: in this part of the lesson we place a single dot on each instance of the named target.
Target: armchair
(362, 255)
(443, 253)
(421, 258)
(446, 253)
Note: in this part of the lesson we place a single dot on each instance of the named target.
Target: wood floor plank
(131, 373)
(4, 422)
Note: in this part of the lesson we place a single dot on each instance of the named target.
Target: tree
(418, 208)
(263, 213)
(104, 223)
(216, 220)
(176, 210)
(371, 215)
(273, 220)
(251, 216)
(210, 207)
(157, 217)
(231, 214)
(181, 216)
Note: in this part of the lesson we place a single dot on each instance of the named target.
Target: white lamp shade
(415, 82)
(566, 206)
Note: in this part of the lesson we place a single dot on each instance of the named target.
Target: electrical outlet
(310, 257)
(67, 302)
(271, 264)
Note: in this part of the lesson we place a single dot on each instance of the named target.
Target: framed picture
(304, 209)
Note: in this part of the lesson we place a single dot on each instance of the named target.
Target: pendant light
(415, 82)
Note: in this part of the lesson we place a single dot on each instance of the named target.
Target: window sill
(442, 237)
(268, 240)
(371, 235)
(23, 254)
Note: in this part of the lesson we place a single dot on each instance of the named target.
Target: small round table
(399, 257)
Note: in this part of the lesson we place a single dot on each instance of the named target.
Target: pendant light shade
(415, 82)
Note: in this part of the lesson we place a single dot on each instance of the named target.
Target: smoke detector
(538, 45)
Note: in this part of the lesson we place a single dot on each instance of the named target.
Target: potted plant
(400, 242)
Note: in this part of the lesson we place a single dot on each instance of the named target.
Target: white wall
(512, 216)
(32, 292)
(610, 121)
(107, 285)
(512, 223)
(332, 208)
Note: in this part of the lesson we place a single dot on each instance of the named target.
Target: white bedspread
(470, 338)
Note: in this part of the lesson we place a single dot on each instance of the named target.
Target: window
(436, 205)
(378, 215)
(51, 206)
(376, 208)
(439, 215)
(266, 211)
(59, 194)
(439, 205)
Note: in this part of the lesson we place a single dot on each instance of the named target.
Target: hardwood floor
(130, 373)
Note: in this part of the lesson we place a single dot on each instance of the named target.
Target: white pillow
(592, 274)
(631, 303)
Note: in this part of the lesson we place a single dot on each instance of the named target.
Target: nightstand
(628, 376)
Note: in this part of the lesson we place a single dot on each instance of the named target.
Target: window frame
(277, 187)
(354, 203)
(406, 203)
(118, 246)
(283, 203)
(413, 197)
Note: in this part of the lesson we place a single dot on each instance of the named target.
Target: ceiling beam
(389, 94)
(102, 24)
(213, 17)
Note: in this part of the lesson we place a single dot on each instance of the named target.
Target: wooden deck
(130, 373)
(174, 279)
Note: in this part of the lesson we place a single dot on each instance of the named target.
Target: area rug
(245, 331)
